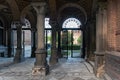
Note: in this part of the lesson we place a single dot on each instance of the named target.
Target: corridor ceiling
(59, 10)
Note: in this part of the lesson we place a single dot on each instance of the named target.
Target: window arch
(27, 24)
(71, 23)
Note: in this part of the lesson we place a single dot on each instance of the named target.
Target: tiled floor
(66, 69)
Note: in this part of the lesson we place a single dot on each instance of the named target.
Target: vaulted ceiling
(56, 9)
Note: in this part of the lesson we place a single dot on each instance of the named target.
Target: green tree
(79, 40)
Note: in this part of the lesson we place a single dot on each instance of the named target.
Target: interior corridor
(64, 39)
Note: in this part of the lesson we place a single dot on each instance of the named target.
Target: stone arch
(14, 8)
(28, 15)
(4, 20)
(72, 5)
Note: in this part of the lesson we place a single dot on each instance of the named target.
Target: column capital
(17, 24)
(53, 23)
(39, 7)
(102, 5)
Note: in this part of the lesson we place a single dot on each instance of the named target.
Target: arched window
(27, 24)
(71, 23)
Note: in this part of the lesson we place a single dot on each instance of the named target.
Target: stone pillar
(19, 55)
(91, 41)
(101, 27)
(59, 45)
(54, 57)
(40, 67)
(84, 46)
(9, 43)
(33, 38)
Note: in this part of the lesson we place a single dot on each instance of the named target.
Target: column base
(54, 57)
(19, 57)
(40, 67)
(40, 70)
(99, 64)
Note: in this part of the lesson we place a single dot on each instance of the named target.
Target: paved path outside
(71, 69)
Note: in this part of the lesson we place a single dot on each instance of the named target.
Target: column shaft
(59, 44)
(33, 38)
(41, 67)
(101, 29)
(9, 43)
(54, 57)
(40, 31)
(18, 56)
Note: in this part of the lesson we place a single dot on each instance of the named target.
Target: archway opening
(26, 39)
(71, 38)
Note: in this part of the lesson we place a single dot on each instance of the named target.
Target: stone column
(59, 45)
(40, 67)
(84, 46)
(9, 43)
(91, 41)
(54, 57)
(33, 38)
(101, 29)
(18, 56)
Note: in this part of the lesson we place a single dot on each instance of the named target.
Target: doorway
(71, 42)
(71, 38)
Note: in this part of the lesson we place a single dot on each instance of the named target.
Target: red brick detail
(112, 24)
(118, 27)
(112, 66)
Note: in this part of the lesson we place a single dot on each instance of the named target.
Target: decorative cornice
(39, 7)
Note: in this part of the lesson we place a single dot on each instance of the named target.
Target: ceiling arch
(14, 8)
(27, 14)
(24, 13)
(74, 6)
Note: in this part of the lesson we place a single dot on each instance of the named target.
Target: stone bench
(3, 51)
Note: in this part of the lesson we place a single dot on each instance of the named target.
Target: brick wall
(112, 24)
(112, 65)
(118, 27)
(112, 60)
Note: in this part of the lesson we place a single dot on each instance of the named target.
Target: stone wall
(112, 65)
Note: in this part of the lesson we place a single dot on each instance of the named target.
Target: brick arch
(14, 8)
(72, 5)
